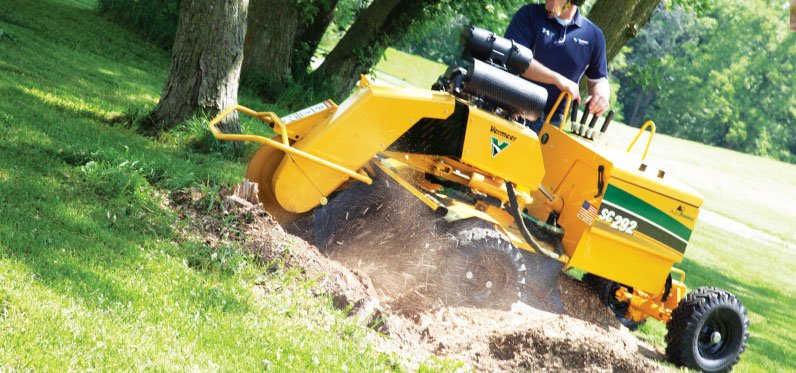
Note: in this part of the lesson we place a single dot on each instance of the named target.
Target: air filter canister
(508, 91)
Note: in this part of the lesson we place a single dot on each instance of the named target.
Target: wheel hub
(715, 338)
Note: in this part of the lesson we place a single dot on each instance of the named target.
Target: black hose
(514, 210)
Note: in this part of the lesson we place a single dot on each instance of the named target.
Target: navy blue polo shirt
(570, 50)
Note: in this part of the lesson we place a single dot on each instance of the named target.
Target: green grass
(414, 70)
(94, 272)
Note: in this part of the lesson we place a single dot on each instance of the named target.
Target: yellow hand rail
(284, 146)
(651, 126)
(555, 107)
(679, 272)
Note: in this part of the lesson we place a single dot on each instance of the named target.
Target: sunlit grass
(414, 70)
(94, 272)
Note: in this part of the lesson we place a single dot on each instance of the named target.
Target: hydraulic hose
(514, 210)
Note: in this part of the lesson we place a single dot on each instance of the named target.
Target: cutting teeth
(522, 268)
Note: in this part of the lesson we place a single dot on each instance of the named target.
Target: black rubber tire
(701, 313)
(605, 290)
(484, 269)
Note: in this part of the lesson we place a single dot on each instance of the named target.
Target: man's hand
(597, 104)
(566, 85)
(598, 101)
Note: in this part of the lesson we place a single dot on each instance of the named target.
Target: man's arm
(599, 94)
(597, 75)
(540, 73)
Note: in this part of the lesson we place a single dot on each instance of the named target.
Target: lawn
(95, 273)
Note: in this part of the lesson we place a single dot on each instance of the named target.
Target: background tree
(205, 63)
(620, 21)
(268, 47)
(380, 25)
(717, 82)
(639, 69)
(281, 38)
(320, 14)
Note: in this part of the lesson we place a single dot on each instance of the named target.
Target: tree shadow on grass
(75, 240)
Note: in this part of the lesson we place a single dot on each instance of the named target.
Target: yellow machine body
(363, 125)
(501, 147)
(628, 210)
(621, 220)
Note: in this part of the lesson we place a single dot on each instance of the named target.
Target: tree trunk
(205, 64)
(309, 36)
(380, 25)
(620, 21)
(268, 48)
(633, 122)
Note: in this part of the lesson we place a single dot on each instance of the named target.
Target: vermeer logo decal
(498, 146)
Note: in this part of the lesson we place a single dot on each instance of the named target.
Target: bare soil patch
(586, 338)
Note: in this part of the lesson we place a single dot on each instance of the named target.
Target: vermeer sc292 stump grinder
(520, 206)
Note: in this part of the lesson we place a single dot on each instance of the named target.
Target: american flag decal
(587, 212)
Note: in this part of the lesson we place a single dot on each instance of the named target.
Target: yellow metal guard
(271, 117)
(651, 126)
(555, 107)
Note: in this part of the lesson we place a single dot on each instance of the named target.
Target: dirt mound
(587, 338)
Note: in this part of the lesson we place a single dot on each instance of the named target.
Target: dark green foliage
(154, 20)
(722, 78)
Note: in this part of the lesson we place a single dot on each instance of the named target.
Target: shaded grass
(416, 71)
(94, 272)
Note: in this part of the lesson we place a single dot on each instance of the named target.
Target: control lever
(577, 128)
(604, 127)
(573, 118)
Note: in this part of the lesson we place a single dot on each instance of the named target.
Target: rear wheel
(605, 290)
(708, 331)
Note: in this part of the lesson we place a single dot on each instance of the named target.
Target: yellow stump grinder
(467, 206)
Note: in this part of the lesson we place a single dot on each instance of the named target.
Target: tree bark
(620, 21)
(309, 36)
(205, 64)
(268, 48)
(380, 25)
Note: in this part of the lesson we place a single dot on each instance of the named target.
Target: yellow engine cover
(503, 148)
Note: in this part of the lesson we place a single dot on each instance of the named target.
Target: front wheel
(707, 331)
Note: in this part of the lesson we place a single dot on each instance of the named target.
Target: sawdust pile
(587, 338)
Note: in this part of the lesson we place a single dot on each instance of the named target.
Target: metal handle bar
(651, 126)
(555, 107)
(271, 117)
